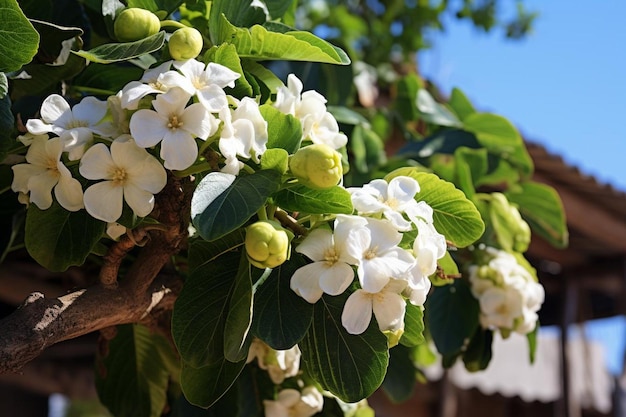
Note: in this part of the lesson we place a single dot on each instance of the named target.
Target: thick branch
(41, 322)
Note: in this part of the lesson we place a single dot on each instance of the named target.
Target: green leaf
(478, 353)
(532, 343)
(281, 317)
(284, 130)
(263, 75)
(18, 37)
(433, 112)
(52, 37)
(471, 166)
(133, 379)
(201, 309)
(276, 159)
(451, 316)
(258, 43)
(45, 78)
(350, 366)
(204, 386)
(500, 137)
(223, 202)
(413, 326)
(448, 267)
(334, 200)
(541, 206)
(454, 215)
(58, 239)
(368, 149)
(115, 52)
(348, 116)
(239, 316)
(461, 104)
(7, 120)
(400, 379)
(226, 55)
(278, 8)
(227, 13)
(202, 252)
(406, 103)
(155, 5)
(107, 77)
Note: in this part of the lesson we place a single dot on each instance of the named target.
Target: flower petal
(221, 75)
(53, 108)
(197, 121)
(178, 150)
(316, 244)
(40, 187)
(389, 309)
(69, 193)
(357, 312)
(213, 98)
(140, 201)
(305, 282)
(148, 127)
(104, 201)
(96, 163)
(336, 278)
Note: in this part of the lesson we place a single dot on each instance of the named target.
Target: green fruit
(185, 43)
(317, 166)
(133, 24)
(267, 244)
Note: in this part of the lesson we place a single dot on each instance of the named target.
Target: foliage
(433, 192)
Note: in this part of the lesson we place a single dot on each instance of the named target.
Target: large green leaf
(52, 37)
(454, 215)
(204, 386)
(223, 202)
(259, 43)
(239, 316)
(133, 379)
(284, 130)
(541, 206)
(115, 52)
(58, 239)
(461, 104)
(278, 8)
(238, 12)
(413, 326)
(401, 377)
(451, 316)
(18, 38)
(226, 55)
(433, 112)
(202, 252)
(155, 5)
(201, 309)
(334, 200)
(350, 366)
(6, 118)
(500, 137)
(478, 352)
(281, 317)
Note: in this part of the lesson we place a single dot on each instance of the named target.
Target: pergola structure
(584, 281)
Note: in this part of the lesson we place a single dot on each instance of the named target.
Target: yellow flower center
(371, 253)
(331, 257)
(119, 176)
(157, 86)
(73, 124)
(174, 123)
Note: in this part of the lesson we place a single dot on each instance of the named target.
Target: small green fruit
(185, 43)
(133, 24)
(267, 244)
(317, 166)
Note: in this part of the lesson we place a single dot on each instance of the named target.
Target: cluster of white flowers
(280, 365)
(509, 296)
(369, 242)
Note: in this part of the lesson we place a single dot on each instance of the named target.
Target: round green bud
(185, 43)
(133, 24)
(317, 166)
(267, 244)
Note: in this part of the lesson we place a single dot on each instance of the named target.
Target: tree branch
(41, 322)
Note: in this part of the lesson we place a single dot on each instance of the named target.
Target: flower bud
(510, 220)
(317, 166)
(133, 24)
(185, 43)
(268, 245)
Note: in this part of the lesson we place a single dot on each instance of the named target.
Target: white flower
(244, 134)
(175, 125)
(330, 272)
(318, 125)
(365, 81)
(428, 247)
(75, 126)
(500, 307)
(391, 199)
(134, 91)
(207, 82)
(280, 364)
(379, 256)
(130, 174)
(387, 304)
(292, 403)
(418, 286)
(44, 172)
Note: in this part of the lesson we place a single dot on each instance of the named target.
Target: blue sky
(563, 86)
